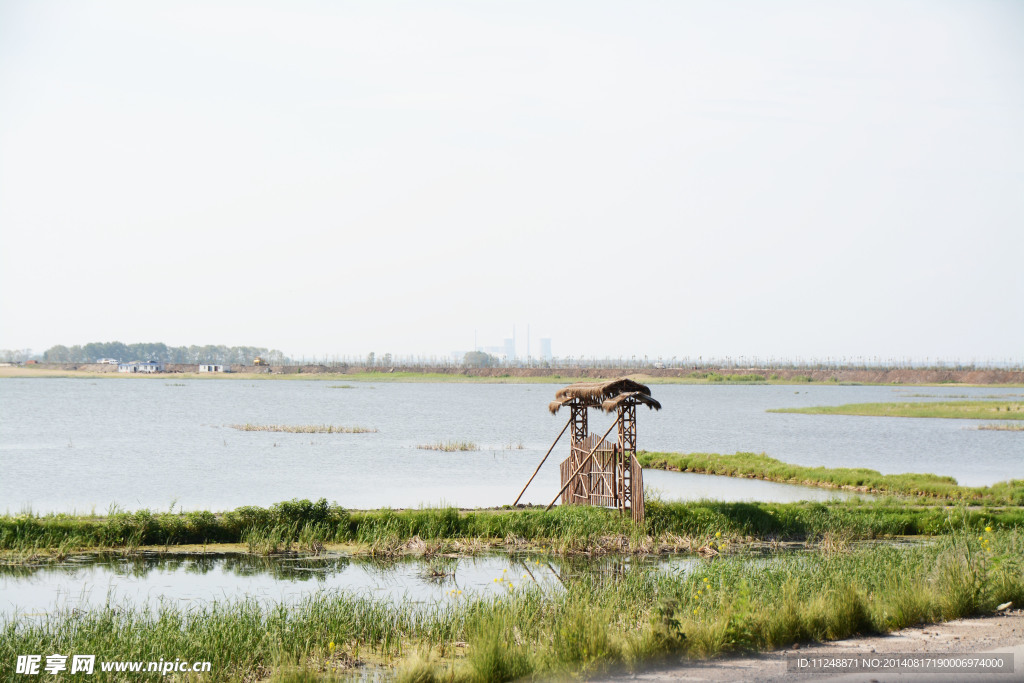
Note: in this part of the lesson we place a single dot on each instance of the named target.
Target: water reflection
(150, 578)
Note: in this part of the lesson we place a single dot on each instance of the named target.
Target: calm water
(81, 445)
(91, 581)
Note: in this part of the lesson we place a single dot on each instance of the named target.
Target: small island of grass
(969, 410)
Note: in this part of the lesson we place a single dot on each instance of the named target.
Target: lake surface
(92, 581)
(82, 445)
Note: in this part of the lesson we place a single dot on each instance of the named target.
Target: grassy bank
(298, 525)
(595, 622)
(760, 466)
(970, 410)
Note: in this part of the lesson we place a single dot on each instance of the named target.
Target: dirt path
(998, 634)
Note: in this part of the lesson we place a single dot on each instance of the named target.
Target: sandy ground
(998, 634)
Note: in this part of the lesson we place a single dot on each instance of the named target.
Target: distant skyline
(791, 179)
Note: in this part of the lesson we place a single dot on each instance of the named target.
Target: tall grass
(598, 620)
(563, 529)
(763, 467)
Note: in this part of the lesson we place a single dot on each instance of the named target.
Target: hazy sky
(664, 178)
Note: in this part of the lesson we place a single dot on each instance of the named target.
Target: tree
(478, 359)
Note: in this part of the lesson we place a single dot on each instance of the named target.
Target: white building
(212, 368)
(149, 366)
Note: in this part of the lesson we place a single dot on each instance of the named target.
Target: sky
(675, 179)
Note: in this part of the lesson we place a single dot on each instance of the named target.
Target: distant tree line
(243, 355)
(226, 355)
(15, 355)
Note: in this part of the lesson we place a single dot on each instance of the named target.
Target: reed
(997, 427)
(449, 446)
(304, 429)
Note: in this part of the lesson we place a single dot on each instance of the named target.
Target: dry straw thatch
(613, 403)
(605, 395)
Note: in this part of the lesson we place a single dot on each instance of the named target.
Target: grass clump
(1002, 427)
(449, 446)
(760, 466)
(970, 410)
(304, 429)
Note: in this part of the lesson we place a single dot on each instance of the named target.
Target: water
(81, 445)
(93, 581)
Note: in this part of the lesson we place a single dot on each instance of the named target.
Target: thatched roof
(605, 395)
(613, 403)
(598, 391)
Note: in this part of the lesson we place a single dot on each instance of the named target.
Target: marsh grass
(971, 410)
(304, 429)
(593, 621)
(761, 466)
(449, 446)
(565, 529)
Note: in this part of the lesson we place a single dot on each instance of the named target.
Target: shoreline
(704, 376)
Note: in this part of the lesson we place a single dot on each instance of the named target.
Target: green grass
(970, 410)
(302, 524)
(760, 466)
(599, 620)
(304, 429)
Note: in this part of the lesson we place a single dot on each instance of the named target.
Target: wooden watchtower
(598, 472)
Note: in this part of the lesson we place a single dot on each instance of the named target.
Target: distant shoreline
(724, 376)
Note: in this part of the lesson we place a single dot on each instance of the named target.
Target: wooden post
(583, 464)
(542, 461)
